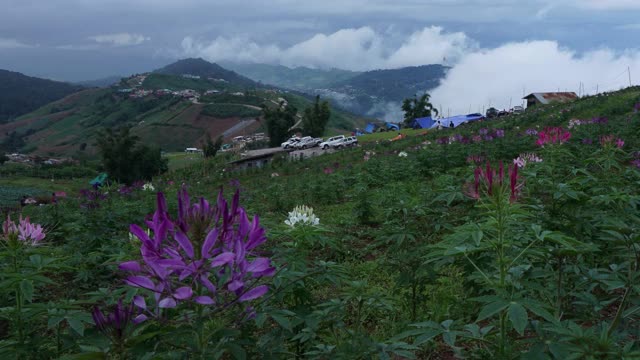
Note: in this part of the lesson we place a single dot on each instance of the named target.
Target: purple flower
(25, 231)
(234, 183)
(636, 108)
(499, 133)
(587, 141)
(115, 323)
(92, 198)
(531, 132)
(483, 131)
(636, 163)
(207, 255)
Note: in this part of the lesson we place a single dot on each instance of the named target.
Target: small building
(534, 99)
(256, 158)
(192, 150)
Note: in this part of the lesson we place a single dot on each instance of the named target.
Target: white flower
(148, 187)
(302, 215)
(403, 154)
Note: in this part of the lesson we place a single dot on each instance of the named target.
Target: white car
(346, 142)
(306, 142)
(331, 142)
(290, 143)
(517, 109)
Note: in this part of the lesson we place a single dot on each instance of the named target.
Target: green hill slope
(169, 111)
(20, 94)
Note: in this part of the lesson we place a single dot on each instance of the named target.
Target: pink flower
(328, 170)
(27, 232)
(619, 143)
(553, 135)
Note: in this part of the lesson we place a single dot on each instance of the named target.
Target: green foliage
(278, 121)
(315, 118)
(211, 148)
(417, 108)
(222, 111)
(127, 161)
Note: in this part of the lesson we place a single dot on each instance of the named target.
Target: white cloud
(608, 4)
(6, 43)
(120, 39)
(352, 49)
(497, 77)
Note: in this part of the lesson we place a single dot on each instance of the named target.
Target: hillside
(376, 93)
(168, 111)
(20, 94)
(513, 238)
(204, 70)
(299, 78)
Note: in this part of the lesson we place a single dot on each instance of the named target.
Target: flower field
(504, 239)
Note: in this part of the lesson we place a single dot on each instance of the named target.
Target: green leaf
(54, 321)
(26, 287)
(76, 325)
(518, 316)
(237, 351)
(492, 309)
(282, 321)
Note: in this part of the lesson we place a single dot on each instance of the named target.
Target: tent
(422, 123)
(370, 128)
(99, 180)
(392, 126)
(457, 120)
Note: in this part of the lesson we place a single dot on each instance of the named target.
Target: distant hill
(171, 120)
(20, 94)
(379, 93)
(299, 78)
(376, 93)
(104, 82)
(204, 69)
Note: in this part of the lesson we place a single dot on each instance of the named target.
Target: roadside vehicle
(290, 143)
(331, 142)
(518, 109)
(305, 142)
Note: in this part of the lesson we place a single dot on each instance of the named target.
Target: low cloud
(498, 77)
(351, 49)
(120, 39)
(6, 43)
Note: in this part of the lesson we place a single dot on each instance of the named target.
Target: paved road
(239, 126)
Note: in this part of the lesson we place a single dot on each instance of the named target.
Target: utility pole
(629, 71)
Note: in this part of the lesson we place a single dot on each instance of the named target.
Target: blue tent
(422, 123)
(457, 120)
(392, 126)
(370, 128)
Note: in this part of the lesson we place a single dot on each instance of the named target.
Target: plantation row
(512, 238)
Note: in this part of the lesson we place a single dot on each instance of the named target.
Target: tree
(127, 161)
(211, 148)
(279, 120)
(417, 108)
(316, 117)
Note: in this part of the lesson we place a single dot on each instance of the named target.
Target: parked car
(331, 141)
(290, 143)
(518, 109)
(306, 142)
(502, 113)
(351, 141)
(491, 113)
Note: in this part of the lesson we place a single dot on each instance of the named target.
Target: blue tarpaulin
(457, 120)
(392, 126)
(370, 128)
(423, 123)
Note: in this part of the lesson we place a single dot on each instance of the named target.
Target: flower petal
(223, 259)
(130, 266)
(259, 265)
(140, 318)
(167, 303)
(204, 300)
(139, 302)
(140, 281)
(254, 293)
(183, 293)
(209, 241)
(235, 285)
(184, 243)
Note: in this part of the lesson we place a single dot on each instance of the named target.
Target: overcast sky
(592, 41)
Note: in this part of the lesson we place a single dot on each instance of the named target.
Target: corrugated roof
(549, 97)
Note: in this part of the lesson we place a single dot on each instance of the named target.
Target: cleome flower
(302, 216)
(148, 187)
(206, 255)
(611, 141)
(25, 231)
(488, 182)
(522, 160)
(402, 154)
(553, 135)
